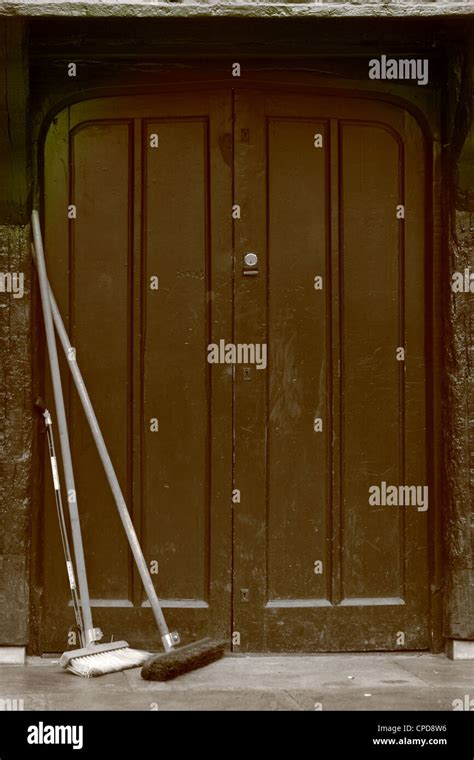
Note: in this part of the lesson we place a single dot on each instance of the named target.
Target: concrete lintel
(460, 650)
(221, 8)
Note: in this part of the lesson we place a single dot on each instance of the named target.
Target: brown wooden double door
(249, 488)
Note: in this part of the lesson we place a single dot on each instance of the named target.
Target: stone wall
(16, 423)
(459, 330)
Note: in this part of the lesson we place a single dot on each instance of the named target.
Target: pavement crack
(285, 691)
(420, 678)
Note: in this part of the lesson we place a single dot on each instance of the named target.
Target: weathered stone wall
(15, 341)
(459, 327)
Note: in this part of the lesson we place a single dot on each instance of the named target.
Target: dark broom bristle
(164, 667)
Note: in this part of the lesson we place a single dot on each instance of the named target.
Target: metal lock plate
(250, 264)
(250, 259)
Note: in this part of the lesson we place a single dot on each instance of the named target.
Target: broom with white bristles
(102, 659)
(94, 659)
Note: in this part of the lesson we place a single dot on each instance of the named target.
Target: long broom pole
(63, 435)
(168, 639)
(62, 527)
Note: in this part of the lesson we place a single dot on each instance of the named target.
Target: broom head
(100, 659)
(176, 662)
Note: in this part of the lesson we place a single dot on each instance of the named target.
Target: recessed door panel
(372, 408)
(176, 376)
(99, 260)
(296, 460)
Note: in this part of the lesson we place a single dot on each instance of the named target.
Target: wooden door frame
(262, 75)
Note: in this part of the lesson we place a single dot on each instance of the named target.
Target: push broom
(175, 661)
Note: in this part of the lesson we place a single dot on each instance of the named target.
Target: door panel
(145, 212)
(99, 308)
(371, 411)
(176, 379)
(328, 571)
(296, 334)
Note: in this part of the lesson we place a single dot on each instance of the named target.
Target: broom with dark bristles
(175, 661)
(164, 667)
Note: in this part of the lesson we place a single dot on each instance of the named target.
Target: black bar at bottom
(147, 733)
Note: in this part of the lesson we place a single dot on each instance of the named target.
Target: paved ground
(328, 682)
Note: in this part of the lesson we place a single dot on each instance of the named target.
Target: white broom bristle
(92, 665)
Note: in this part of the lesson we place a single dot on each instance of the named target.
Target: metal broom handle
(62, 527)
(168, 639)
(63, 434)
